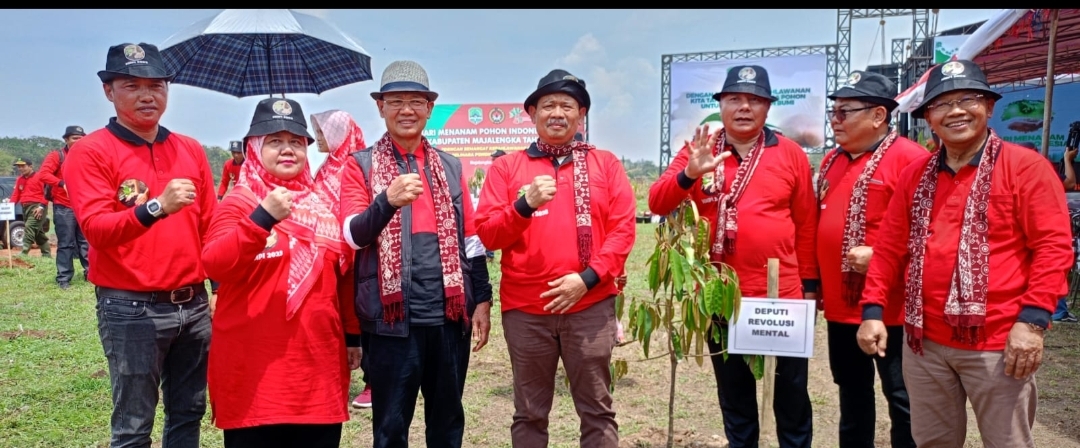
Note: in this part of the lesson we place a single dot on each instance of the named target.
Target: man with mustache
(756, 189)
(857, 179)
(562, 213)
(977, 236)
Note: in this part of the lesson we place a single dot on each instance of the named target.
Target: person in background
(490, 254)
(977, 235)
(70, 242)
(144, 196)
(422, 287)
(756, 189)
(279, 366)
(562, 213)
(857, 181)
(1067, 174)
(30, 193)
(230, 171)
(337, 133)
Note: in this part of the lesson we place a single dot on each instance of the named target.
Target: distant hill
(36, 148)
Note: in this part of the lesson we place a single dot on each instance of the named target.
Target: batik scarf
(582, 201)
(727, 215)
(965, 307)
(384, 169)
(855, 224)
(312, 228)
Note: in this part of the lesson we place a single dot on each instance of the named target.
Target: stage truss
(915, 54)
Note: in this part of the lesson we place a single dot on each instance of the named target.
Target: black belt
(176, 296)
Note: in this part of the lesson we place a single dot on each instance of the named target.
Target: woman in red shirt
(278, 364)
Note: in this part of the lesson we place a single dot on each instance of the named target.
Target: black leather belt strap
(176, 296)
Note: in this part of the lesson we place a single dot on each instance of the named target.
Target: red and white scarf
(343, 137)
(384, 169)
(312, 228)
(855, 224)
(965, 308)
(582, 201)
(727, 217)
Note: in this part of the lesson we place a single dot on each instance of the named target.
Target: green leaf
(699, 347)
(676, 345)
(677, 274)
(723, 341)
(620, 303)
(647, 330)
(654, 271)
(688, 315)
(713, 299)
(757, 365)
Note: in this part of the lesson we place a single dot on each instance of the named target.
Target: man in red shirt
(143, 196)
(759, 199)
(978, 237)
(855, 184)
(562, 213)
(29, 192)
(70, 242)
(422, 285)
(230, 171)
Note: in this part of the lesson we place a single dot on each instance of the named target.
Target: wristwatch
(154, 207)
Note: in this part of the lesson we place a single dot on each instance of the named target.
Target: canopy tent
(1013, 46)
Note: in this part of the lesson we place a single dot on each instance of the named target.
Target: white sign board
(774, 327)
(7, 211)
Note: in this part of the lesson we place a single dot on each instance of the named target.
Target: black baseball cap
(869, 87)
(22, 161)
(279, 114)
(236, 146)
(73, 130)
(140, 60)
(958, 74)
(560, 81)
(752, 79)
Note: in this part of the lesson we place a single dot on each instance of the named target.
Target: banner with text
(798, 83)
(1018, 116)
(471, 132)
(946, 46)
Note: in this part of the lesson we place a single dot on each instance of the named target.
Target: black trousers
(284, 436)
(738, 401)
(853, 371)
(432, 361)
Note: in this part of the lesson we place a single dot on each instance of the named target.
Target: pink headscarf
(343, 137)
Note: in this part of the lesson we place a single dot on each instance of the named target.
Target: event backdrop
(471, 132)
(797, 81)
(1018, 116)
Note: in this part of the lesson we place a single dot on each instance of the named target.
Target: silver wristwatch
(154, 207)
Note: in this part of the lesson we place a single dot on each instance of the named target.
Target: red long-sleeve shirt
(264, 369)
(128, 249)
(777, 215)
(230, 173)
(50, 175)
(28, 189)
(1030, 245)
(539, 246)
(832, 217)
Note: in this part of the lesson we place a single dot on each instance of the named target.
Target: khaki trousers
(584, 341)
(943, 379)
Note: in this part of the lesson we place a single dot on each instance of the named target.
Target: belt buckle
(182, 295)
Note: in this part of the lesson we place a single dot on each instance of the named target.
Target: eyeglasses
(415, 105)
(735, 101)
(842, 114)
(968, 103)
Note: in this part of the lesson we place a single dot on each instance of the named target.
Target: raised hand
(404, 189)
(179, 193)
(278, 203)
(702, 159)
(541, 191)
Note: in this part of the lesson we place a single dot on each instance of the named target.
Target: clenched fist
(404, 189)
(278, 203)
(540, 192)
(179, 193)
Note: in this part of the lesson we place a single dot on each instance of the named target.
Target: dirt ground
(18, 261)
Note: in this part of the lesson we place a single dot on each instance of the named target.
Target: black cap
(140, 60)
(278, 114)
(869, 87)
(958, 74)
(22, 161)
(73, 130)
(236, 146)
(752, 79)
(498, 153)
(560, 81)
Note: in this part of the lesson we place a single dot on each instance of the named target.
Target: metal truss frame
(830, 51)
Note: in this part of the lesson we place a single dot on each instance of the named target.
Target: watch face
(153, 207)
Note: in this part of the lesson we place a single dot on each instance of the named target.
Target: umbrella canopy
(265, 51)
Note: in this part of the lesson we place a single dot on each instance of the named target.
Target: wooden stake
(766, 418)
(7, 233)
(1048, 100)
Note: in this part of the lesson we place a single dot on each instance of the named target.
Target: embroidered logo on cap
(235, 145)
(747, 74)
(282, 107)
(953, 69)
(570, 78)
(134, 53)
(78, 129)
(854, 79)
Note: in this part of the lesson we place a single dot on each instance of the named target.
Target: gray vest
(368, 300)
